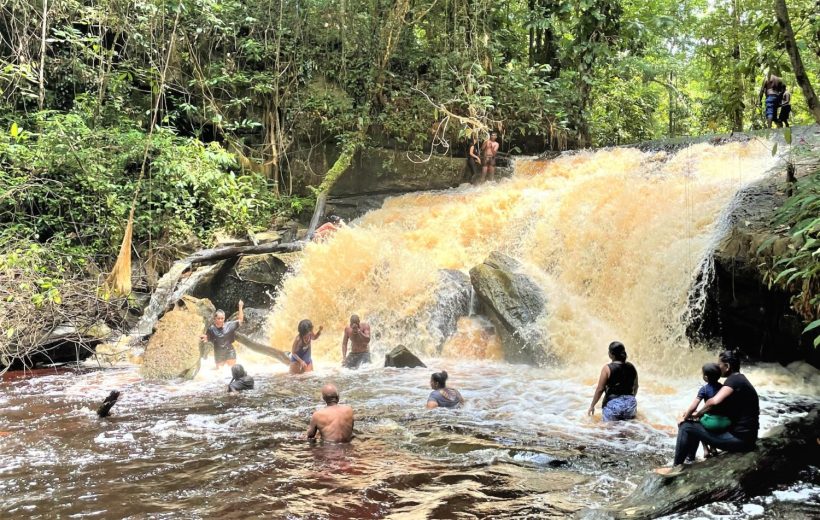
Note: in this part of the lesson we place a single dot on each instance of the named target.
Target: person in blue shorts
(618, 383)
(773, 88)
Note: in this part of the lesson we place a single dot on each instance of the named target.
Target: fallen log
(263, 349)
(221, 253)
(778, 459)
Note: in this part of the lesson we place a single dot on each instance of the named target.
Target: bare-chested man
(773, 88)
(334, 423)
(358, 334)
(488, 152)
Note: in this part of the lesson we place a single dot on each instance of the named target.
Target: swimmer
(335, 422)
(441, 396)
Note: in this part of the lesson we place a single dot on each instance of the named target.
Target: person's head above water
(711, 372)
(305, 327)
(729, 362)
(438, 380)
(238, 372)
(617, 351)
(330, 394)
(335, 219)
(219, 318)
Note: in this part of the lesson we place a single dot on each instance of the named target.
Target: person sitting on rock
(619, 384)
(240, 381)
(738, 400)
(441, 396)
(714, 422)
(326, 230)
(358, 334)
(334, 422)
(301, 359)
(222, 335)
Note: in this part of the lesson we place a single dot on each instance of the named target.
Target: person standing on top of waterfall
(326, 230)
(358, 334)
(773, 88)
(489, 150)
(785, 108)
(474, 160)
(222, 334)
(619, 384)
(301, 359)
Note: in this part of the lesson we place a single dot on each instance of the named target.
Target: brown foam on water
(614, 237)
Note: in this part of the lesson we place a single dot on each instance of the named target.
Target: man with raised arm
(335, 422)
(358, 334)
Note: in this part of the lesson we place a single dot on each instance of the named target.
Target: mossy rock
(174, 349)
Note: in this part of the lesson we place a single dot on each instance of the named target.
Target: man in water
(488, 152)
(358, 334)
(222, 335)
(335, 422)
(773, 87)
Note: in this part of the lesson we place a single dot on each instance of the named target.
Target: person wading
(619, 384)
(301, 358)
(441, 396)
(222, 334)
(335, 422)
(358, 334)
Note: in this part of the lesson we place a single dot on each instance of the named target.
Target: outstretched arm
(599, 390)
(240, 317)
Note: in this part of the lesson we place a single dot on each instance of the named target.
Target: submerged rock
(513, 302)
(401, 357)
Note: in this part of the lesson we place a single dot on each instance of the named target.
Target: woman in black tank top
(619, 384)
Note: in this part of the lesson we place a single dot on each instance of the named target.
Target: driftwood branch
(221, 253)
(262, 349)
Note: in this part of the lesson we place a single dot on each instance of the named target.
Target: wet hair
(334, 218)
(219, 312)
(305, 326)
(238, 372)
(730, 358)
(711, 371)
(355, 319)
(440, 379)
(617, 350)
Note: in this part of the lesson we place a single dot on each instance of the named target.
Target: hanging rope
(118, 281)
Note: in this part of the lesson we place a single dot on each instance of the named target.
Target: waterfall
(615, 238)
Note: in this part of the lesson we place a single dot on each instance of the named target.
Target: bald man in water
(335, 422)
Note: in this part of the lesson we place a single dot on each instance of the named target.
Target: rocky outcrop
(252, 278)
(513, 302)
(401, 357)
(174, 349)
(778, 458)
(452, 301)
(376, 174)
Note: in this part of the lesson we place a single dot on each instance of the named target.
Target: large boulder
(252, 278)
(401, 357)
(174, 349)
(513, 302)
(452, 301)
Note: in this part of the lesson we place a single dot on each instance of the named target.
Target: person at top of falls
(737, 399)
(358, 334)
(441, 396)
(334, 422)
(773, 88)
(489, 151)
(222, 335)
(474, 160)
(619, 384)
(785, 108)
(240, 380)
(300, 353)
(326, 230)
(714, 422)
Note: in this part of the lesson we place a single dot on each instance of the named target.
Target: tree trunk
(782, 14)
(42, 84)
(221, 253)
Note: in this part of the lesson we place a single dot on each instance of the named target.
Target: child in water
(711, 421)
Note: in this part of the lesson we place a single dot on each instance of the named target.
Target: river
(615, 239)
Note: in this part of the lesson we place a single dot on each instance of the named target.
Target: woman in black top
(619, 384)
(738, 400)
(474, 160)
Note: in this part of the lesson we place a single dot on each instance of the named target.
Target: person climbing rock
(222, 334)
(358, 334)
(334, 422)
(240, 380)
(619, 384)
